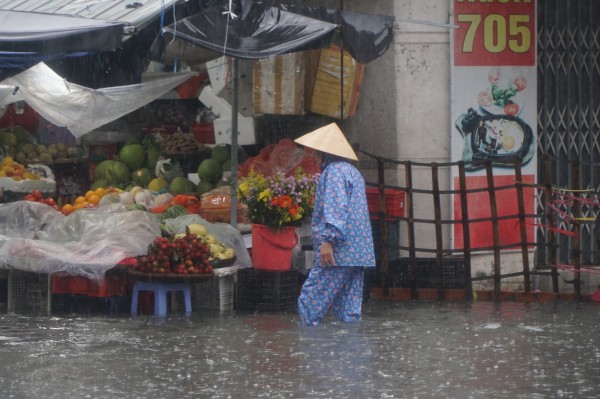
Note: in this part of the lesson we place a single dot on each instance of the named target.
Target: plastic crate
(426, 273)
(115, 283)
(393, 239)
(215, 293)
(267, 290)
(28, 292)
(69, 304)
(204, 133)
(394, 202)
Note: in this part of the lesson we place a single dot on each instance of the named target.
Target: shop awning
(42, 31)
(48, 34)
(257, 30)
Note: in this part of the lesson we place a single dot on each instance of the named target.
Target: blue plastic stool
(160, 290)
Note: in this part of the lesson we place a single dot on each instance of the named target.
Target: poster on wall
(494, 108)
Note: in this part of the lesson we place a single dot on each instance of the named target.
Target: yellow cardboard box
(326, 94)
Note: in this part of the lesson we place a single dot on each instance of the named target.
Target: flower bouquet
(278, 201)
(277, 204)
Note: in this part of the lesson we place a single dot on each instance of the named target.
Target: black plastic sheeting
(260, 30)
(365, 36)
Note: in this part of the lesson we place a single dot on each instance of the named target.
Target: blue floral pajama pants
(340, 288)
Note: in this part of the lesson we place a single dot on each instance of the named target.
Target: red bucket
(272, 248)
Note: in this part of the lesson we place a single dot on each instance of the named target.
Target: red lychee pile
(185, 255)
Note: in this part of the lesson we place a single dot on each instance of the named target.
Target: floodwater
(399, 350)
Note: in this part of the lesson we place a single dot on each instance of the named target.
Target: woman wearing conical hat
(341, 232)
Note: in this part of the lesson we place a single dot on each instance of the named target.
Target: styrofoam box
(246, 134)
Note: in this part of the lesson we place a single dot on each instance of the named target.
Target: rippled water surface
(399, 350)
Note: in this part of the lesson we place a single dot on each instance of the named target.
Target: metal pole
(234, 143)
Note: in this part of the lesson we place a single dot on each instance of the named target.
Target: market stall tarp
(257, 30)
(79, 108)
(52, 33)
(35, 237)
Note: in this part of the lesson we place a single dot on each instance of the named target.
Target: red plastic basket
(114, 284)
(204, 133)
(394, 202)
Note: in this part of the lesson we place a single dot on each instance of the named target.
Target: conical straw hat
(329, 139)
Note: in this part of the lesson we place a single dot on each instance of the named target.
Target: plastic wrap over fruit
(223, 232)
(35, 237)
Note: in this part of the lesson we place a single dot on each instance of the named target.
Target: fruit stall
(147, 227)
(96, 203)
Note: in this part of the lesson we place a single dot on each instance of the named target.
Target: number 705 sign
(500, 32)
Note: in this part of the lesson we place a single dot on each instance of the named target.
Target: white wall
(422, 66)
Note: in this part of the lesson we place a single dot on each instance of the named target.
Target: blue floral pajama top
(341, 215)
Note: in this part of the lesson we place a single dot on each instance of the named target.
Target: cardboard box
(325, 98)
(278, 85)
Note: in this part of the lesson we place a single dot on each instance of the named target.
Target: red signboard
(494, 32)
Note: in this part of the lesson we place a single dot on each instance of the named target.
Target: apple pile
(38, 196)
(181, 255)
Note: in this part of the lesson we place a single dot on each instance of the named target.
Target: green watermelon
(152, 156)
(136, 207)
(142, 177)
(174, 211)
(227, 165)
(181, 185)
(223, 182)
(114, 172)
(221, 153)
(210, 171)
(132, 155)
(203, 187)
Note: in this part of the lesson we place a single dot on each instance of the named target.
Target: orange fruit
(80, 205)
(94, 199)
(80, 200)
(100, 192)
(88, 194)
(67, 208)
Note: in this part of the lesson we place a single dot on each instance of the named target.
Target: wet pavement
(399, 350)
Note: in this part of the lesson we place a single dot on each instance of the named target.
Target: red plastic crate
(204, 133)
(394, 202)
(113, 284)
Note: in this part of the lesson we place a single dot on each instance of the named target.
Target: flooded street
(399, 350)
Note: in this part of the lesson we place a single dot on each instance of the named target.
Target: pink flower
(494, 76)
(520, 82)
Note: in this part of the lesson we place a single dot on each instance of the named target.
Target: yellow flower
(265, 195)
(244, 189)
